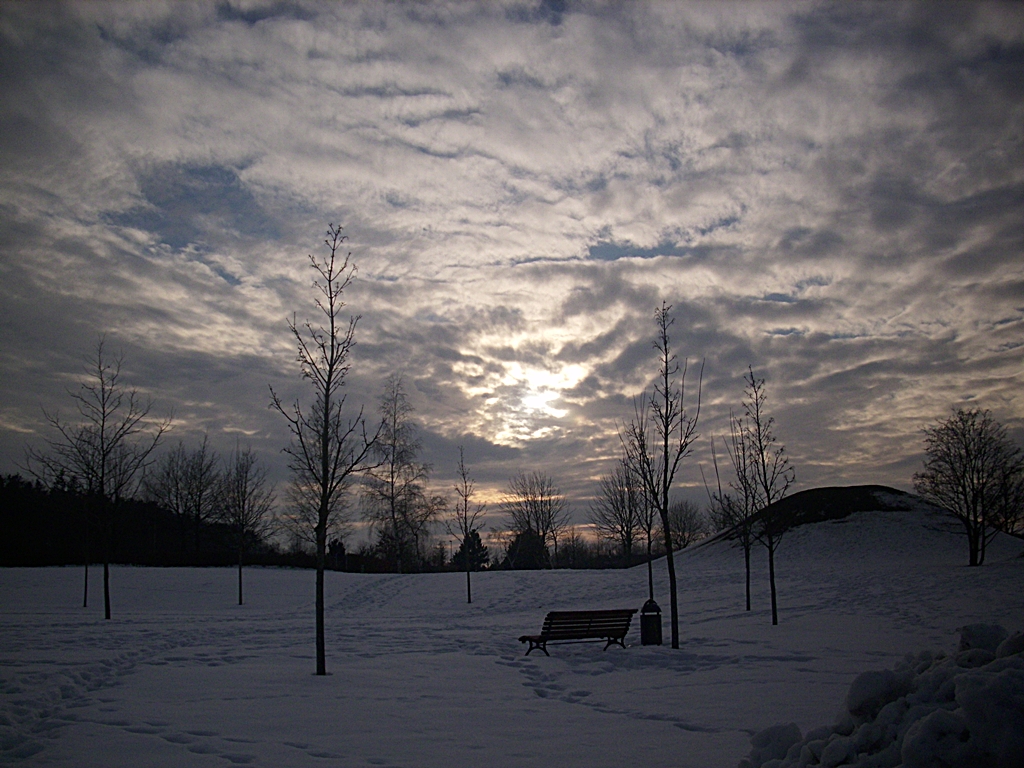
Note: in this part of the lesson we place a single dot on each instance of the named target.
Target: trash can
(650, 624)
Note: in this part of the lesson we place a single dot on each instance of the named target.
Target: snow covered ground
(181, 676)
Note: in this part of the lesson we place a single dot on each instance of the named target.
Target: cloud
(829, 193)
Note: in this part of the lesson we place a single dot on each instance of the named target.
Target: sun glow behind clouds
(543, 387)
(521, 402)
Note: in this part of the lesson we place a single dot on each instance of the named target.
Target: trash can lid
(650, 607)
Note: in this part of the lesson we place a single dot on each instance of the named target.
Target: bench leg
(542, 646)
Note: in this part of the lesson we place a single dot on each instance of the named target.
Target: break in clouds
(830, 193)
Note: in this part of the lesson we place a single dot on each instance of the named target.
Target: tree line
(55, 526)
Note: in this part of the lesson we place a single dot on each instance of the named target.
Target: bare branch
(327, 449)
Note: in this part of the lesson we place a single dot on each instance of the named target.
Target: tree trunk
(106, 563)
(771, 579)
(673, 599)
(106, 588)
(85, 596)
(321, 547)
(972, 541)
(746, 557)
(982, 541)
(240, 551)
(650, 570)
(469, 590)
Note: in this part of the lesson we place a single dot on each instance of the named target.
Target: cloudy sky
(832, 194)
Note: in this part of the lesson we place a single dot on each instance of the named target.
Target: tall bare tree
(202, 480)
(766, 472)
(186, 483)
(535, 507)
(973, 471)
(327, 447)
(734, 510)
(104, 451)
(464, 520)
(165, 484)
(647, 511)
(616, 513)
(394, 493)
(245, 502)
(659, 437)
(1009, 503)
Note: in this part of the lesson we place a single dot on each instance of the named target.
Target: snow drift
(959, 711)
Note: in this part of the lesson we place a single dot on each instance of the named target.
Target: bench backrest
(580, 625)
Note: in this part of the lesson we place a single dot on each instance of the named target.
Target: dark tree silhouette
(186, 483)
(647, 510)
(689, 523)
(527, 551)
(166, 485)
(463, 525)
(535, 511)
(394, 495)
(973, 471)
(104, 452)
(245, 500)
(617, 512)
(202, 479)
(766, 472)
(327, 448)
(471, 554)
(659, 437)
(734, 511)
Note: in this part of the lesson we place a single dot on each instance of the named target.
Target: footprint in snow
(147, 730)
(238, 758)
(178, 738)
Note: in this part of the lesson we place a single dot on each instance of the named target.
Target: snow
(182, 676)
(959, 711)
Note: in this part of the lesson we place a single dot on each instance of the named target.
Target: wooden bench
(569, 626)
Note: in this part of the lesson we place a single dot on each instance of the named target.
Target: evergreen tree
(472, 548)
(528, 551)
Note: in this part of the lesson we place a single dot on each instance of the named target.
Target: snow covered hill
(181, 676)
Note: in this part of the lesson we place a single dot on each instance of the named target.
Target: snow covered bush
(932, 710)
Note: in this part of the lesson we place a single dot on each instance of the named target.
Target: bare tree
(659, 437)
(1009, 503)
(105, 451)
(616, 513)
(425, 510)
(734, 511)
(186, 483)
(973, 471)
(576, 551)
(394, 494)
(463, 522)
(689, 523)
(327, 448)
(534, 506)
(245, 501)
(766, 472)
(501, 540)
(647, 511)
(202, 478)
(165, 485)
